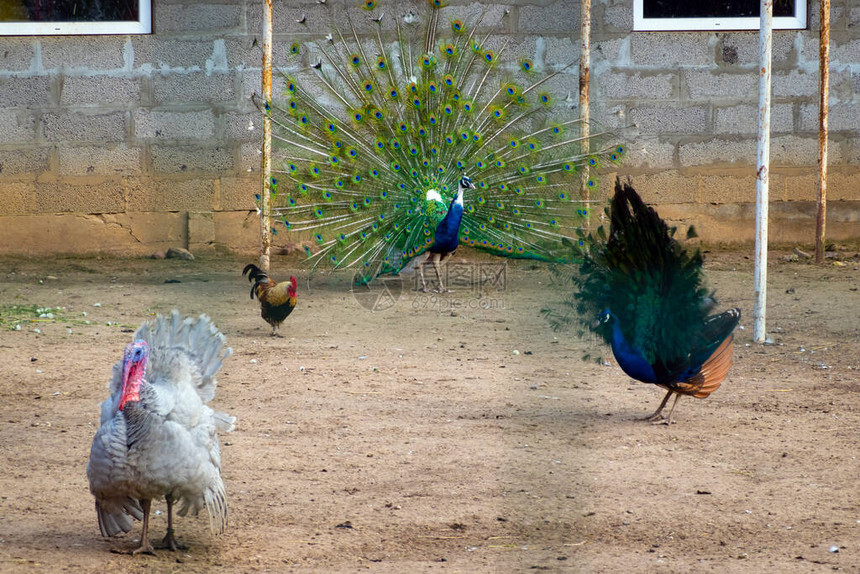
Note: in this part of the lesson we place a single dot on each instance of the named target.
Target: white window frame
(642, 24)
(143, 25)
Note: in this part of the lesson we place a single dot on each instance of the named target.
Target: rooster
(277, 300)
(157, 437)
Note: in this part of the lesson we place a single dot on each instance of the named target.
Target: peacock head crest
(133, 371)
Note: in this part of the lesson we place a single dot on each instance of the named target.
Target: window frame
(143, 25)
(641, 24)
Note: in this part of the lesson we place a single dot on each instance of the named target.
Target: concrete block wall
(131, 144)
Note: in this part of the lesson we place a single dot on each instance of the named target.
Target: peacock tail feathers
(376, 123)
(640, 273)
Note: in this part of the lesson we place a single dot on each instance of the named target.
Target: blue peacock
(404, 135)
(643, 293)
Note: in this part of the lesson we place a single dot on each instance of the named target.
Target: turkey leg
(169, 542)
(145, 546)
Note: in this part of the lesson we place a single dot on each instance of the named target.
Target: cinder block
(17, 127)
(171, 194)
(252, 83)
(83, 52)
(628, 86)
(743, 119)
(667, 120)
(25, 92)
(16, 198)
(794, 84)
(158, 124)
(23, 160)
(243, 127)
(668, 187)
(191, 159)
(238, 193)
(706, 85)
(193, 87)
(618, 18)
(85, 126)
(100, 90)
(736, 151)
(201, 232)
(722, 188)
(560, 17)
(181, 54)
(118, 159)
(670, 50)
(238, 232)
(96, 194)
(17, 53)
(252, 154)
(317, 19)
(650, 153)
(242, 54)
(741, 48)
(792, 150)
(207, 18)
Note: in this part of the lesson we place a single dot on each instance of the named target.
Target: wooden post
(584, 101)
(823, 108)
(266, 160)
(762, 179)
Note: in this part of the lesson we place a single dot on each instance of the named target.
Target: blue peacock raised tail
(377, 123)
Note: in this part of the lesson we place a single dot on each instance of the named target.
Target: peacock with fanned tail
(643, 293)
(376, 136)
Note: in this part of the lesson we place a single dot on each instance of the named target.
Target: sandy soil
(455, 433)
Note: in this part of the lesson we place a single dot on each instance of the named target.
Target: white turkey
(157, 437)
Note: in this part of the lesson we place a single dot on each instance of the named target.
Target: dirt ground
(453, 433)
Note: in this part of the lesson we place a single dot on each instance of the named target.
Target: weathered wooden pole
(266, 159)
(762, 178)
(823, 108)
(584, 101)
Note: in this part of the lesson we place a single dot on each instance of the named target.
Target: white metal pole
(584, 98)
(823, 110)
(762, 171)
(266, 161)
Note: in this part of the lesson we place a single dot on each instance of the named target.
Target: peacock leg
(437, 259)
(672, 410)
(169, 542)
(423, 287)
(657, 417)
(145, 546)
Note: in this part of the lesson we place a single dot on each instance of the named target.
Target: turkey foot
(170, 543)
(145, 548)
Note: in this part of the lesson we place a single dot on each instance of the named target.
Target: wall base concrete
(139, 234)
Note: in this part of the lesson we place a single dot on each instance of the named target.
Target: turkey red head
(133, 370)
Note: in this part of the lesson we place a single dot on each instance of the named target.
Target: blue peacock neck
(629, 358)
(448, 230)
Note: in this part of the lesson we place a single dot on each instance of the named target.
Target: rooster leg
(169, 542)
(145, 546)
(657, 418)
(275, 330)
